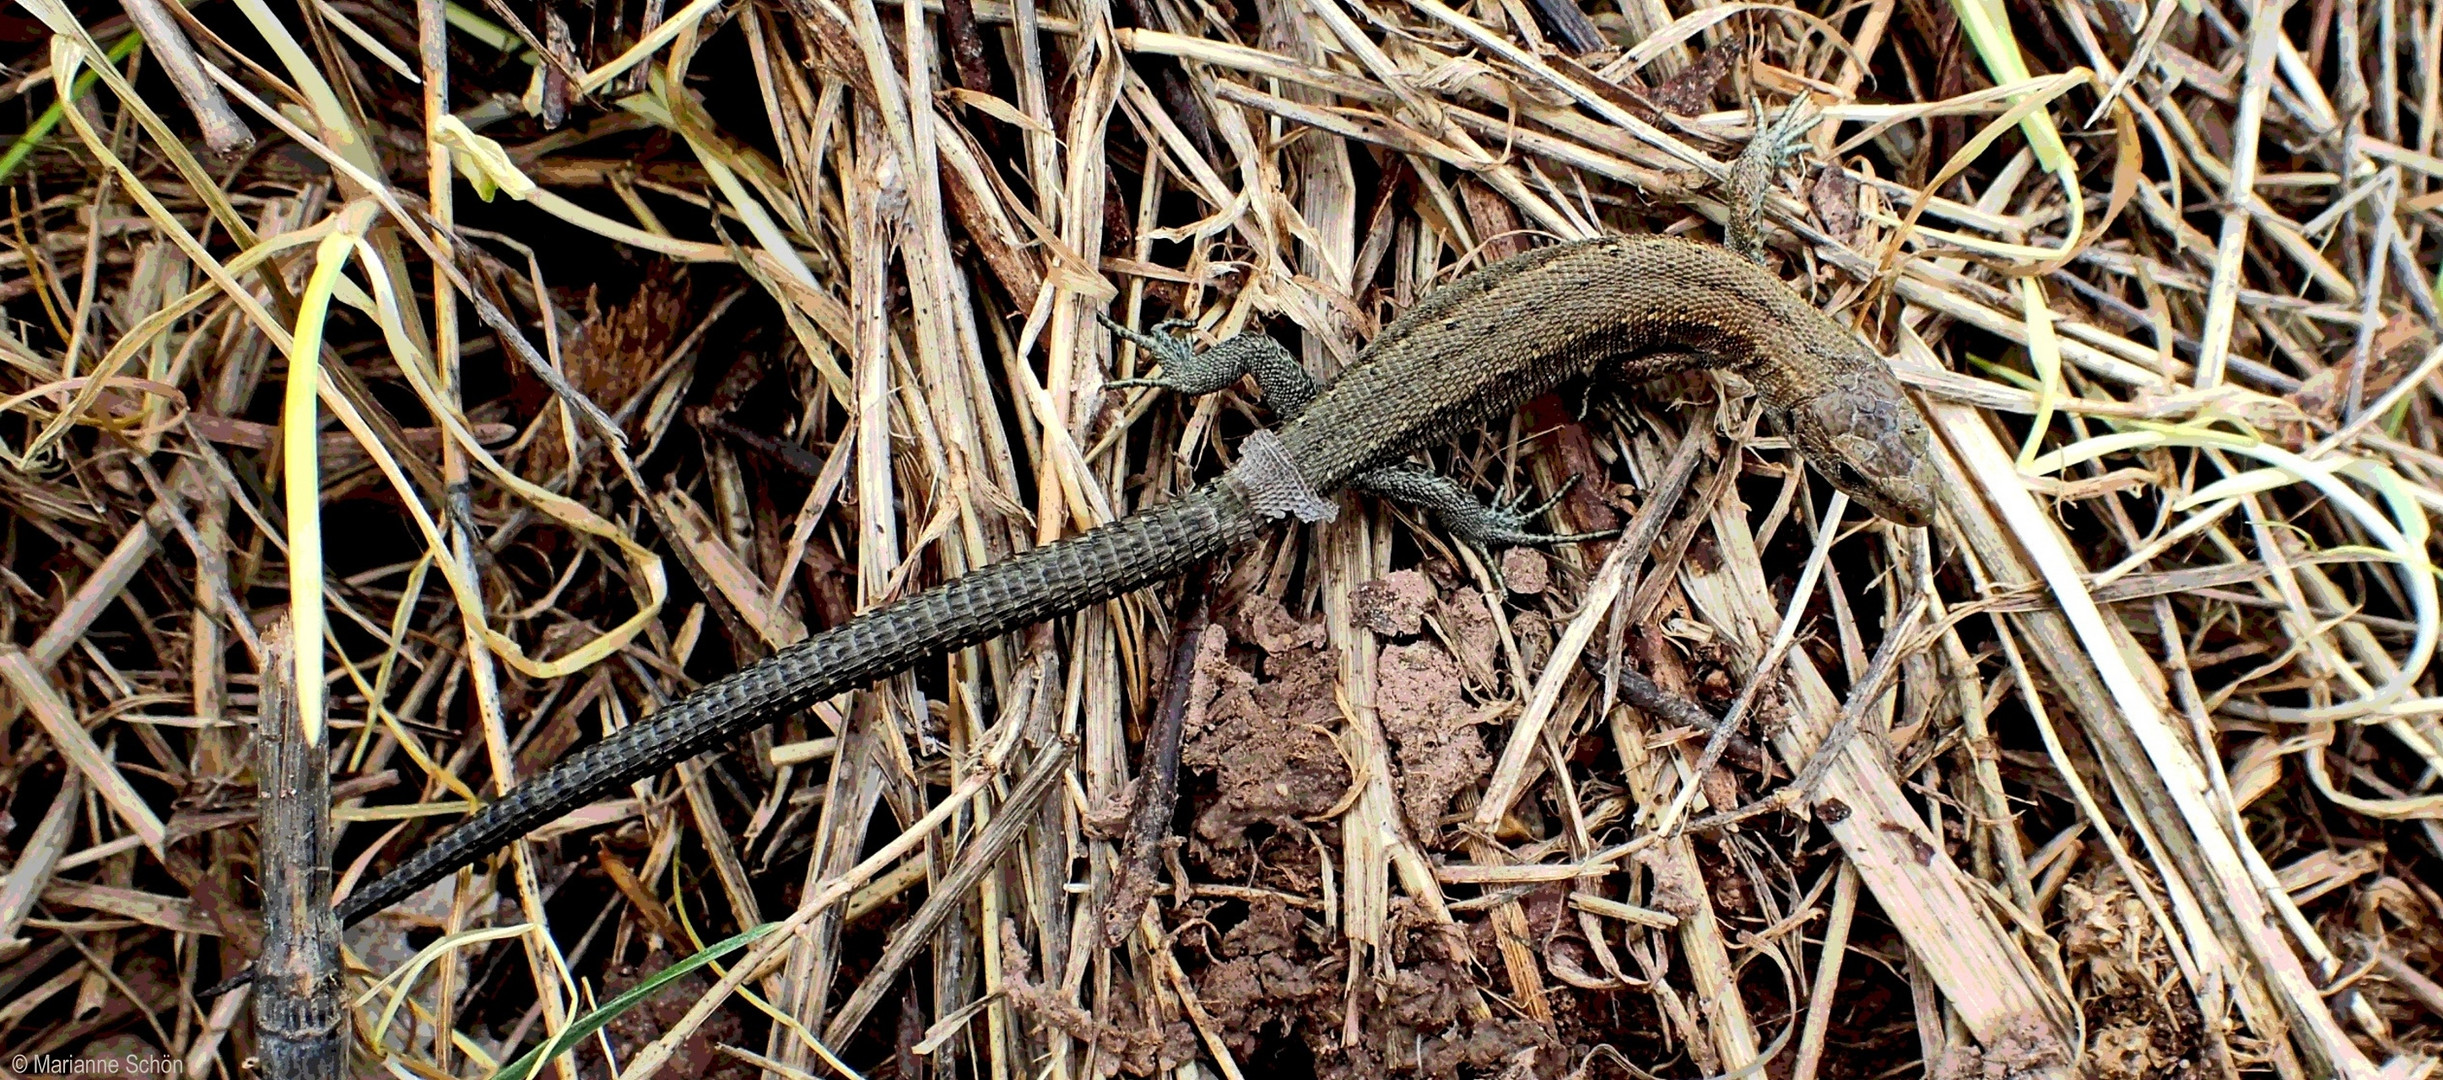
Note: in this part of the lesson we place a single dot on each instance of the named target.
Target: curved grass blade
(594, 1021)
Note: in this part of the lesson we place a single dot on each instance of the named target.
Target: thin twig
(1149, 827)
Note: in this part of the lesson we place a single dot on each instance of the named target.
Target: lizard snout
(1873, 446)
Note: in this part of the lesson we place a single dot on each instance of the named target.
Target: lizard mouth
(1909, 511)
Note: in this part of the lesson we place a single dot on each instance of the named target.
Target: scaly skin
(1465, 355)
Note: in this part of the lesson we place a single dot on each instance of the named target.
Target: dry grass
(757, 314)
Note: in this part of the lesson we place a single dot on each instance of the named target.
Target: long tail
(1049, 581)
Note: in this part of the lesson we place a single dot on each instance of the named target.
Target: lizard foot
(1779, 143)
(1504, 525)
(1485, 528)
(1184, 370)
(1500, 525)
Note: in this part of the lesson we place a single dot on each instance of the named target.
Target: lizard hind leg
(1194, 373)
(1479, 525)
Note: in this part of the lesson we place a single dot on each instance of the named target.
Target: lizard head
(1869, 442)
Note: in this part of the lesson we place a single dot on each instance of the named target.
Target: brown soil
(1433, 731)
(1264, 743)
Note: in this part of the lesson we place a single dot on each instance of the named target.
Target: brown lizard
(1629, 307)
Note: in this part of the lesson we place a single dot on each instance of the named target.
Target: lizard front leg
(1751, 177)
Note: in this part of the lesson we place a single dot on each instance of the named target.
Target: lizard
(1635, 307)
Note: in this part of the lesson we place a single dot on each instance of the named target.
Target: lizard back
(1481, 347)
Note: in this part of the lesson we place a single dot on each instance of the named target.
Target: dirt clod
(2023, 1051)
(1266, 742)
(1525, 571)
(1432, 728)
(1394, 604)
(1469, 630)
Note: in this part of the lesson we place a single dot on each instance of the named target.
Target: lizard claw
(1504, 524)
(1184, 370)
(1163, 342)
(1781, 140)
